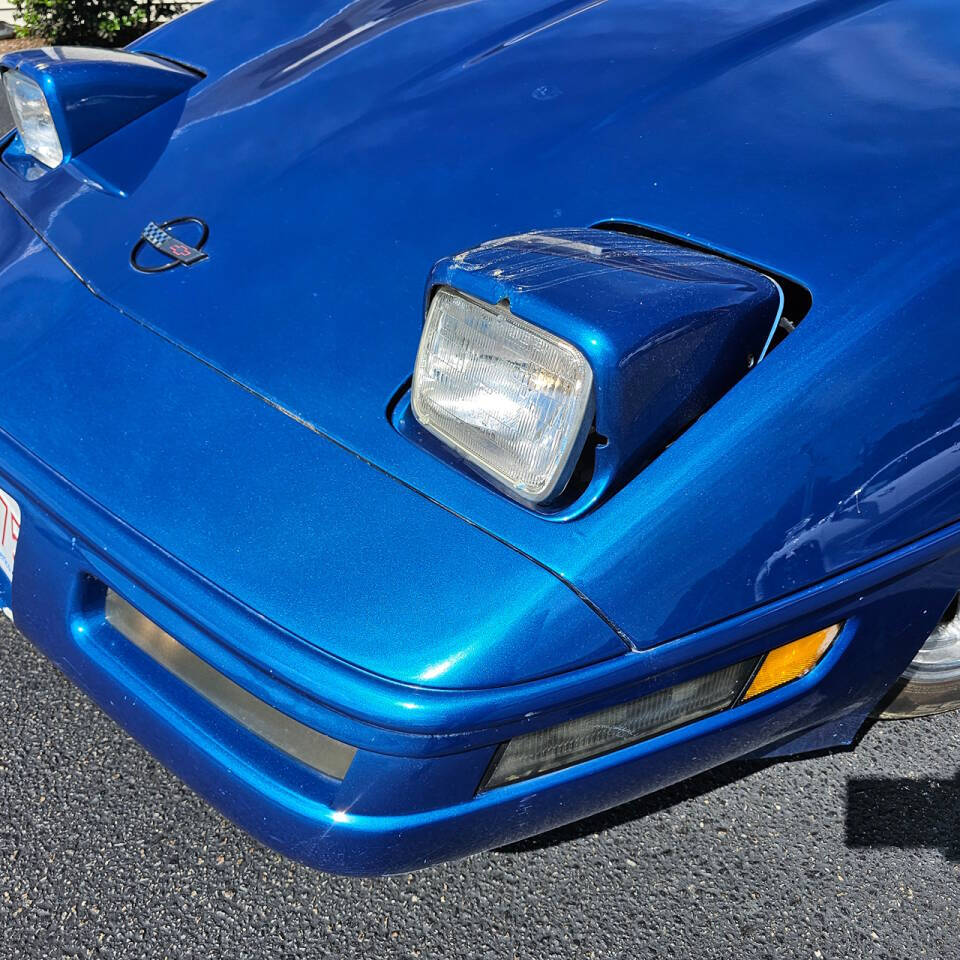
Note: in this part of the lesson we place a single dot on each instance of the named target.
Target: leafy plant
(92, 22)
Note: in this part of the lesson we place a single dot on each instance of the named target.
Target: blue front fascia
(410, 798)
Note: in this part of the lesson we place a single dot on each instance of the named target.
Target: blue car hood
(337, 151)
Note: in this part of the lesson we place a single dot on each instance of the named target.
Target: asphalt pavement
(103, 853)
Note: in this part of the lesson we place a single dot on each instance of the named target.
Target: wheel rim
(939, 658)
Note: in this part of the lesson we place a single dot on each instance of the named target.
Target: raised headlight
(511, 398)
(31, 113)
(65, 100)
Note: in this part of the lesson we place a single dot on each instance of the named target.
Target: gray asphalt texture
(103, 853)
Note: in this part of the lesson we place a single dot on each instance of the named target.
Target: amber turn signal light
(791, 661)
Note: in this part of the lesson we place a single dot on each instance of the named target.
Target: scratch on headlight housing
(512, 399)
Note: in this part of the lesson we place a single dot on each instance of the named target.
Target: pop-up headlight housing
(66, 99)
(558, 363)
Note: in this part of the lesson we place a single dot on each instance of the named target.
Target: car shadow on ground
(899, 812)
(653, 803)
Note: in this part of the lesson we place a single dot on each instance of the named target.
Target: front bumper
(410, 796)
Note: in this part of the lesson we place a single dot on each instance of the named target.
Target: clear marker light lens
(507, 396)
(32, 116)
(598, 733)
(307, 745)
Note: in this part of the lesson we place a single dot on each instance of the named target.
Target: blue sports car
(427, 422)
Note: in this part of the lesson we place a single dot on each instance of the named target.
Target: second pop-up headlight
(31, 113)
(65, 100)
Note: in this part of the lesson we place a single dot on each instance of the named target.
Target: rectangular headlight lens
(507, 396)
(597, 733)
(32, 116)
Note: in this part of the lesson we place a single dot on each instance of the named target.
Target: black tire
(919, 698)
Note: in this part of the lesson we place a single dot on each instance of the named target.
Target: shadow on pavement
(692, 789)
(643, 807)
(904, 812)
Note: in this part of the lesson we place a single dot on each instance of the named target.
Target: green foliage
(91, 22)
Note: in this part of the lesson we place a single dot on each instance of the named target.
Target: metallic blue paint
(92, 93)
(215, 444)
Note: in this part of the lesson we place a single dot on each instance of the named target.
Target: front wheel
(931, 684)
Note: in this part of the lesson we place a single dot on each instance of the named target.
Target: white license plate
(9, 535)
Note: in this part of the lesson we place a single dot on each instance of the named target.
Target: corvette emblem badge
(179, 242)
